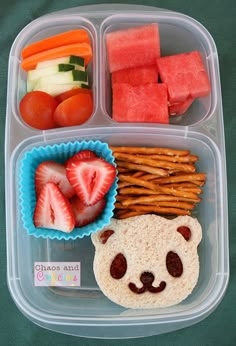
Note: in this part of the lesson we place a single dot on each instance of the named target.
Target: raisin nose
(147, 278)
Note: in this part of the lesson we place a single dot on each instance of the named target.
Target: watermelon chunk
(133, 47)
(136, 75)
(180, 108)
(185, 76)
(143, 103)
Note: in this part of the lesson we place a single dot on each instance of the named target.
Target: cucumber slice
(85, 86)
(73, 77)
(55, 89)
(34, 75)
(76, 60)
(30, 84)
(72, 59)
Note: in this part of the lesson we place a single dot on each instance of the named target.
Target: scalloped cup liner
(60, 153)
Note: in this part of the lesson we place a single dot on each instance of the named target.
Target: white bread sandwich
(147, 261)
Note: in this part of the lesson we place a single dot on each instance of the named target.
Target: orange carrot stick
(65, 38)
(83, 50)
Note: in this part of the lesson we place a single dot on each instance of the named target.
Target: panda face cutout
(174, 266)
(153, 267)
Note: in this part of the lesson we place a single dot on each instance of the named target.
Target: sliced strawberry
(91, 178)
(86, 214)
(50, 171)
(82, 155)
(53, 210)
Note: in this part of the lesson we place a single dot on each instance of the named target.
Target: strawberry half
(53, 210)
(81, 155)
(90, 178)
(51, 171)
(86, 214)
(84, 154)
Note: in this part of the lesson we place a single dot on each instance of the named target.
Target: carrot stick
(83, 50)
(65, 38)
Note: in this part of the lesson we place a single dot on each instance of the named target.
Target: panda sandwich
(147, 261)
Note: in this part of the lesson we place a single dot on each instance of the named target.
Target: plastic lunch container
(84, 310)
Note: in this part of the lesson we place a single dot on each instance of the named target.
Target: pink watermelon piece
(180, 108)
(185, 76)
(133, 47)
(143, 103)
(136, 75)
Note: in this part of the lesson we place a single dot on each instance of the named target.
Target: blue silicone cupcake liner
(60, 153)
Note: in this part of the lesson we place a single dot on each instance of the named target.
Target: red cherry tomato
(37, 108)
(74, 111)
(72, 92)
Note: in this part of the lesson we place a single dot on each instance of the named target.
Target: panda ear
(101, 237)
(185, 231)
(190, 229)
(105, 235)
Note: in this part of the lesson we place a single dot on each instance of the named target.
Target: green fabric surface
(220, 327)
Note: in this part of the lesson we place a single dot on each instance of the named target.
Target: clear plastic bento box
(83, 310)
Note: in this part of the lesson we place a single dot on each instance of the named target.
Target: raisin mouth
(147, 279)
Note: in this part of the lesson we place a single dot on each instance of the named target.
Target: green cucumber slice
(55, 89)
(72, 59)
(73, 76)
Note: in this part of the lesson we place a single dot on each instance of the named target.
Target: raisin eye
(118, 266)
(174, 264)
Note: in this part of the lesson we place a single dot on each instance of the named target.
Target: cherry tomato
(37, 108)
(74, 111)
(72, 92)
